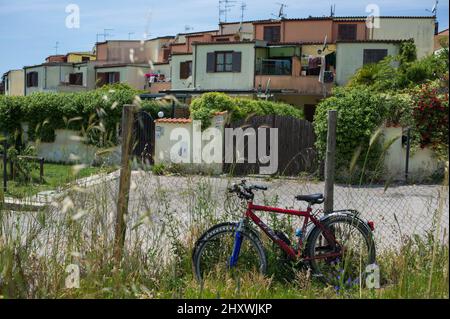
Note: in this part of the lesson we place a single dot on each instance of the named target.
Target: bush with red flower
(430, 114)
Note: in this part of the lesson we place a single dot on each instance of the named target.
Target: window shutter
(211, 62)
(184, 71)
(347, 32)
(237, 61)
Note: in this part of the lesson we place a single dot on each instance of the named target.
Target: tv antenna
(225, 7)
(281, 14)
(188, 28)
(333, 10)
(104, 34)
(434, 8)
(129, 35)
(243, 8)
(56, 47)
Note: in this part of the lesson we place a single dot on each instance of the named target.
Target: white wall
(70, 149)
(421, 30)
(224, 80)
(349, 57)
(164, 145)
(178, 83)
(422, 162)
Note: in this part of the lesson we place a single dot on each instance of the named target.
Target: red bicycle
(337, 247)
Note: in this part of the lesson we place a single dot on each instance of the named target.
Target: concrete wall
(162, 69)
(178, 83)
(232, 28)
(307, 85)
(422, 163)
(421, 30)
(349, 57)
(68, 148)
(224, 80)
(122, 52)
(14, 83)
(133, 75)
(164, 146)
(78, 57)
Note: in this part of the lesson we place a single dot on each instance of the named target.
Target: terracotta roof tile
(175, 121)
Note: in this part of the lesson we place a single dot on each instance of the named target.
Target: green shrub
(403, 71)
(204, 107)
(360, 113)
(96, 114)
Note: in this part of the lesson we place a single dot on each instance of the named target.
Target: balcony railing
(274, 67)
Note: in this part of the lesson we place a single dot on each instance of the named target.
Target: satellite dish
(160, 114)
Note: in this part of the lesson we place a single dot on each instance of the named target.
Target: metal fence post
(330, 162)
(408, 148)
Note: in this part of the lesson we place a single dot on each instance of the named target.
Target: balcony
(156, 87)
(304, 85)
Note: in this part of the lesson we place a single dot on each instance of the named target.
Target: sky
(29, 29)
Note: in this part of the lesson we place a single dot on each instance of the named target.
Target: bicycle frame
(290, 251)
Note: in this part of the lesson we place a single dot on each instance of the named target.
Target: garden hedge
(204, 107)
(96, 114)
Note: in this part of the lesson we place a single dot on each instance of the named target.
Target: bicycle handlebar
(245, 191)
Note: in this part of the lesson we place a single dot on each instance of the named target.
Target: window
(32, 79)
(107, 78)
(85, 59)
(228, 61)
(272, 34)
(347, 32)
(185, 69)
(76, 79)
(222, 39)
(276, 66)
(224, 61)
(166, 54)
(374, 55)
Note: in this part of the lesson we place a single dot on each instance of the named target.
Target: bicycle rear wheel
(345, 268)
(212, 253)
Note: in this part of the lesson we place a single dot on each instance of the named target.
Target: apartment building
(294, 60)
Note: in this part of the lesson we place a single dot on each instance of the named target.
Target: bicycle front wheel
(212, 253)
(341, 263)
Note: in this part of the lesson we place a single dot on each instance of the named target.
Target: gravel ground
(396, 211)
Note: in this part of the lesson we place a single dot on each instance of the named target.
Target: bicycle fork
(237, 245)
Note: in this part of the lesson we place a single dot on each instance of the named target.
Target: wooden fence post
(125, 179)
(330, 162)
(5, 164)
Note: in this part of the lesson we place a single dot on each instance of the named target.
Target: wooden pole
(330, 162)
(5, 164)
(125, 179)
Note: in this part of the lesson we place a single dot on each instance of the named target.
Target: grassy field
(55, 176)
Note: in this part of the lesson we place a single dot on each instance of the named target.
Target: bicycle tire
(224, 228)
(328, 223)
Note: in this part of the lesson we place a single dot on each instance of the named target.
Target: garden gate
(144, 137)
(296, 151)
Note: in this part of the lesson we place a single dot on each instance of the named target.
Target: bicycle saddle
(312, 199)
